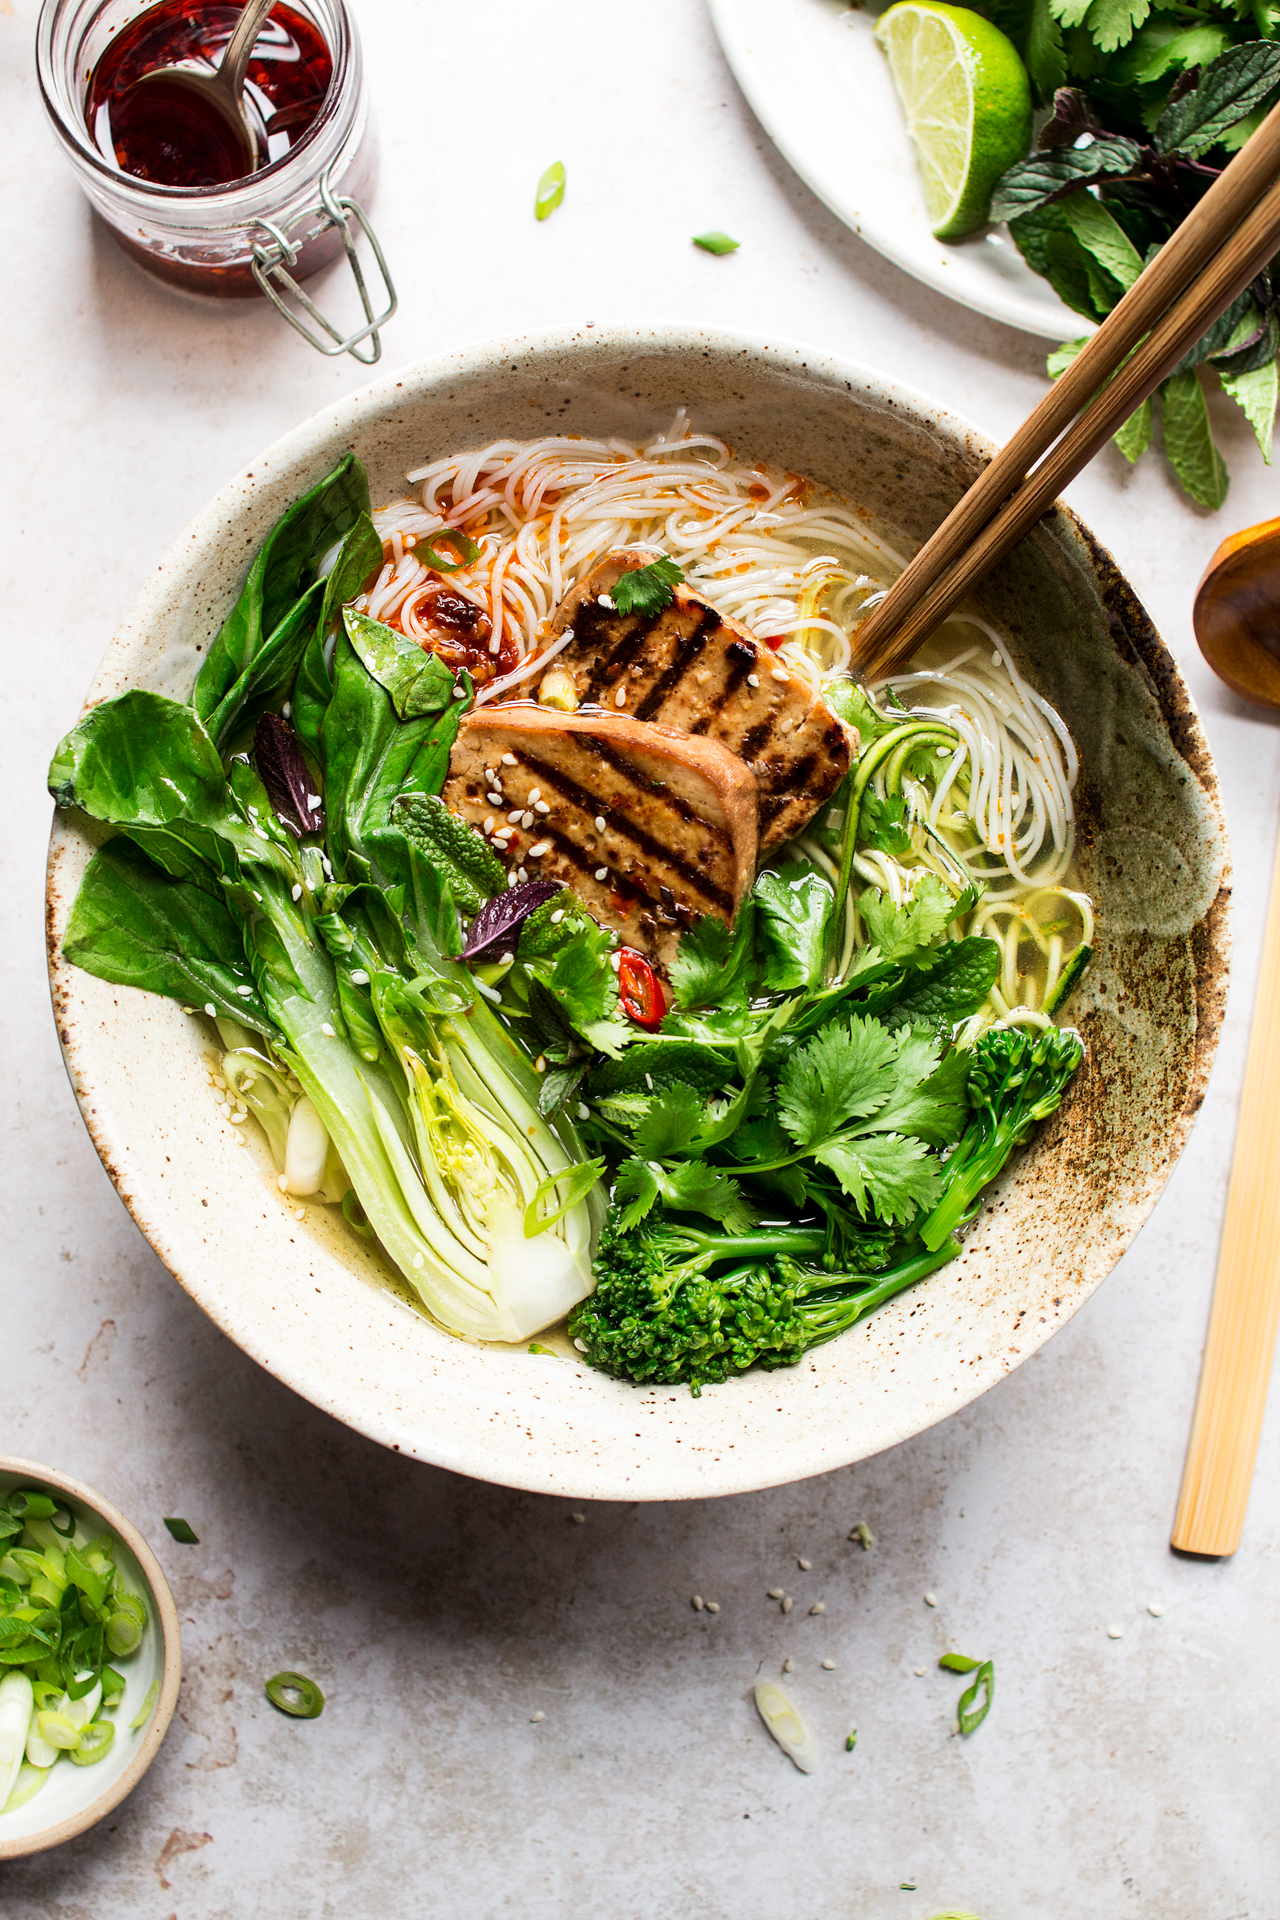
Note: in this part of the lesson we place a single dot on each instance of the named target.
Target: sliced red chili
(642, 997)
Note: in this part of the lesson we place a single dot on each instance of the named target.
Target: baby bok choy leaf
(429, 1103)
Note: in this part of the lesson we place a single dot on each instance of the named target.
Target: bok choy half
(280, 861)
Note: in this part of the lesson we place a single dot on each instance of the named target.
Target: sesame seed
(584, 1111)
(526, 819)
(509, 760)
(919, 1672)
(788, 1665)
(418, 1261)
(1155, 1609)
(557, 916)
(602, 873)
(804, 1565)
(210, 1009)
(490, 775)
(494, 798)
(297, 892)
(819, 1606)
(327, 1030)
(781, 675)
(787, 1604)
(603, 600)
(535, 1717)
(541, 806)
(648, 1080)
(713, 1606)
(828, 1666)
(577, 1518)
(488, 821)
(753, 679)
(505, 959)
(299, 1213)
(776, 1593)
(246, 993)
(224, 1108)
(615, 961)
(535, 793)
(512, 881)
(522, 873)
(620, 697)
(459, 693)
(931, 1599)
(581, 1345)
(514, 815)
(313, 803)
(1115, 1633)
(543, 846)
(282, 1181)
(540, 1064)
(287, 709)
(698, 1603)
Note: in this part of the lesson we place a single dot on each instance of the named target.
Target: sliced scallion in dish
(295, 1694)
(550, 191)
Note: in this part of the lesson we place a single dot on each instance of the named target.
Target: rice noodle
(800, 570)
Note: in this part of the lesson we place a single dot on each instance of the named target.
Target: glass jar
(261, 234)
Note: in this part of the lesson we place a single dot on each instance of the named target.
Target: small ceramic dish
(73, 1799)
(313, 1304)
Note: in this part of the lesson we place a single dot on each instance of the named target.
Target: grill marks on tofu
(691, 668)
(679, 833)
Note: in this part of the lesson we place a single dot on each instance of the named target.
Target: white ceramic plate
(820, 87)
(312, 1304)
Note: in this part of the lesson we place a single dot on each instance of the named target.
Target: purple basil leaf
(283, 773)
(499, 921)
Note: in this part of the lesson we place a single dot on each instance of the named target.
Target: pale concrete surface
(1113, 1777)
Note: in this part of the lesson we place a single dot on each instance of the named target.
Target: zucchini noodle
(987, 773)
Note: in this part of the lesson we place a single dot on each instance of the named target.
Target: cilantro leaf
(670, 1122)
(794, 906)
(844, 1073)
(929, 1098)
(907, 933)
(847, 699)
(883, 1173)
(647, 590)
(636, 1191)
(883, 823)
(711, 964)
(694, 1187)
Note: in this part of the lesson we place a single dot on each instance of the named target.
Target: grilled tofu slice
(692, 668)
(649, 826)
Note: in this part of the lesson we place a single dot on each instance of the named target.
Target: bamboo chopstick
(1246, 1295)
(881, 647)
(1207, 238)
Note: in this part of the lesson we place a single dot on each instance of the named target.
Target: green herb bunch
(1150, 99)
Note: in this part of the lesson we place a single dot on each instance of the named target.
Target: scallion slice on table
(550, 191)
(295, 1694)
(182, 1532)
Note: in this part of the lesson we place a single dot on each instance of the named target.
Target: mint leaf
(1134, 436)
(647, 590)
(1228, 88)
(1032, 183)
(1101, 235)
(1256, 394)
(1188, 440)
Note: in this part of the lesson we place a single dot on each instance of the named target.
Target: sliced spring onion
(573, 1183)
(786, 1725)
(967, 1714)
(126, 1625)
(95, 1743)
(550, 191)
(27, 1504)
(16, 1705)
(143, 1714)
(465, 548)
(112, 1684)
(293, 1693)
(851, 1741)
(58, 1731)
(715, 242)
(29, 1782)
(182, 1532)
(958, 1663)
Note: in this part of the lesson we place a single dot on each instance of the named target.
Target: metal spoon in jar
(223, 91)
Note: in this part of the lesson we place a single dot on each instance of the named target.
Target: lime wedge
(967, 102)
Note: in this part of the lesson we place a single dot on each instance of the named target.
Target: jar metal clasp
(273, 259)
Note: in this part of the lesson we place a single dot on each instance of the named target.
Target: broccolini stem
(827, 1315)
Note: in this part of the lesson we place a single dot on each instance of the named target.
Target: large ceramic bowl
(310, 1304)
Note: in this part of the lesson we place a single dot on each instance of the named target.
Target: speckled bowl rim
(171, 1640)
(566, 1474)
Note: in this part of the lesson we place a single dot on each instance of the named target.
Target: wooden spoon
(1237, 613)
(1237, 623)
